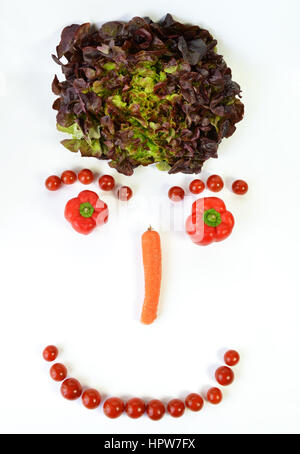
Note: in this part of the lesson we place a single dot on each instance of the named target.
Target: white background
(84, 293)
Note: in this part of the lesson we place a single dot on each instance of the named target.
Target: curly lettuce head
(139, 93)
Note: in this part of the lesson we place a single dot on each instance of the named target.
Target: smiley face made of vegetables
(134, 94)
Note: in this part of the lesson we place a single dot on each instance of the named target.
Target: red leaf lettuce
(140, 92)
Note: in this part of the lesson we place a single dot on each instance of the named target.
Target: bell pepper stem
(86, 209)
(212, 218)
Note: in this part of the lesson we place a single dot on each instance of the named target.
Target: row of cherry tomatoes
(113, 407)
(107, 183)
(86, 176)
(214, 183)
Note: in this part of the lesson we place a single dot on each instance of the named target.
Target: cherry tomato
(197, 186)
(113, 407)
(50, 353)
(106, 182)
(240, 187)
(224, 375)
(58, 372)
(231, 357)
(86, 176)
(53, 183)
(71, 389)
(215, 183)
(176, 408)
(124, 193)
(135, 407)
(68, 177)
(214, 395)
(194, 402)
(91, 398)
(176, 194)
(155, 409)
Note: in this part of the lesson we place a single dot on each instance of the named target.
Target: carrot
(152, 269)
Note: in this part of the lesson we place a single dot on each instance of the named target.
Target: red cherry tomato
(113, 407)
(86, 176)
(135, 407)
(106, 182)
(50, 353)
(155, 409)
(71, 389)
(214, 395)
(68, 177)
(91, 398)
(194, 402)
(224, 375)
(215, 183)
(231, 357)
(176, 194)
(197, 186)
(53, 183)
(240, 187)
(124, 193)
(176, 408)
(58, 372)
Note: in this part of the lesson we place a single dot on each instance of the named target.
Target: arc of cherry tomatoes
(107, 183)
(135, 407)
(86, 176)
(214, 183)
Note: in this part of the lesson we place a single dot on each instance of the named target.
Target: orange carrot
(152, 270)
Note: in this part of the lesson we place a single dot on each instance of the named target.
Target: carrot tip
(148, 317)
(147, 321)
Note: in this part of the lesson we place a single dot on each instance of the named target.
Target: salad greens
(143, 92)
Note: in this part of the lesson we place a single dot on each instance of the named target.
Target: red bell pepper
(86, 211)
(209, 221)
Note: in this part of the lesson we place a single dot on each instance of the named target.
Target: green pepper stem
(86, 209)
(212, 218)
